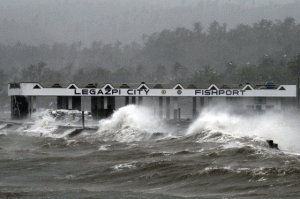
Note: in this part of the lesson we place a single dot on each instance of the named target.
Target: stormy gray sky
(47, 21)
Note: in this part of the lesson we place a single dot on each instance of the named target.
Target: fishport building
(163, 98)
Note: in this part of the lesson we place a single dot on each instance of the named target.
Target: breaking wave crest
(225, 126)
(138, 123)
(127, 124)
(46, 123)
(131, 123)
(220, 154)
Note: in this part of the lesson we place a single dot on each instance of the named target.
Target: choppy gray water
(135, 155)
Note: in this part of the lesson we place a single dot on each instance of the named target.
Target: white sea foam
(282, 128)
(2, 126)
(121, 167)
(130, 123)
(103, 148)
(135, 123)
(43, 123)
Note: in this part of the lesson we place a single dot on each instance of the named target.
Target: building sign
(145, 92)
(35, 89)
(111, 92)
(224, 92)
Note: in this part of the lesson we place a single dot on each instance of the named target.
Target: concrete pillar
(168, 108)
(65, 102)
(33, 104)
(105, 103)
(209, 102)
(29, 100)
(154, 100)
(70, 103)
(160, 107)
(278, 104)
(194, 107)
(175, 107)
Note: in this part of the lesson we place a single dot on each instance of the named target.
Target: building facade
(164, 98)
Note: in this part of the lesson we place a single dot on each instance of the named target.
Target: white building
(164, 97)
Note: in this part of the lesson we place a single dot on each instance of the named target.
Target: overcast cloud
(37, 22)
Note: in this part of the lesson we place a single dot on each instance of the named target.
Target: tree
(2, 79)
(198, 28)
(2, 76)
(178, 72)
(294, 66)
(33, 73)
(206, 75)
(139, 73)
(52, 76)
(123, 75)
(160, 74)
(39, 68)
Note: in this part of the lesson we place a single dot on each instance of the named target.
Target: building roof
(153, 85)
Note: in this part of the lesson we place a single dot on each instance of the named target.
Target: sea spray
(217, 157)
(42, 123)
(280, 127)
(131, 123)
(46, 122)
(135, 123)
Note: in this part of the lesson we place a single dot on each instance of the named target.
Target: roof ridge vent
(108, 87)
(143, 87)
(36, 87)
(72, 87)
(213, 87)
(178, 87)
(282, 88)
(248, 87)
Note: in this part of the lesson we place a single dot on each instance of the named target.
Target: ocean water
(134, 154)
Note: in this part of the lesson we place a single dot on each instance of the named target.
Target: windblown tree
(294, 67)
(178, 72)
(257, 52)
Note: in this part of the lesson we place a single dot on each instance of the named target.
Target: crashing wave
(131, 123)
